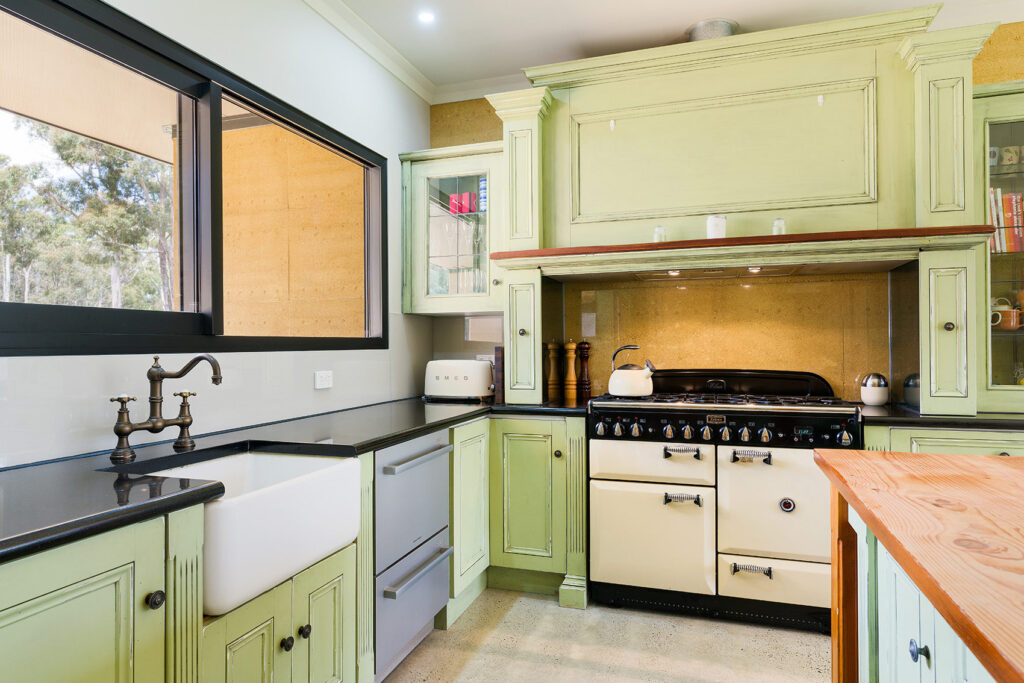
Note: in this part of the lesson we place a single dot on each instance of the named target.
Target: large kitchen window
(152, 202)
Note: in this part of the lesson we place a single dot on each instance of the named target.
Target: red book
(1007, 208)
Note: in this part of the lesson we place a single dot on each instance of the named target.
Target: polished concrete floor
(507, 636)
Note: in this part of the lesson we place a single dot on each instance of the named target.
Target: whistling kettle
(630, 379)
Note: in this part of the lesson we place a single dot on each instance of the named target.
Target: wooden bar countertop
(955, 523)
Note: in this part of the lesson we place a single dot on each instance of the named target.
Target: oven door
(675, 463)
(653, 535)
(772, 502)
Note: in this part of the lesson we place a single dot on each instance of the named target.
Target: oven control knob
(764, 435)
(744, 434)
(617, 429)
(725, 433)
(669, 432)
(705, 433)
(635, 429)
(844, 438)
(600, 428)
(687, 432)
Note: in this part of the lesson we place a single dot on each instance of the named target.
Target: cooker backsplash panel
(833, 325)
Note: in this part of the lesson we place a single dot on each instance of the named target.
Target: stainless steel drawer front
(419, 584)
(411, 487)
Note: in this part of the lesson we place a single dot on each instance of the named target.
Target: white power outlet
(323, 379)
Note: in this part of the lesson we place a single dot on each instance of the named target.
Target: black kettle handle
(627, 347)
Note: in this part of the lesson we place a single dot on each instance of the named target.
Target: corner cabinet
(301, 630)
(80, 612)
(451, 216)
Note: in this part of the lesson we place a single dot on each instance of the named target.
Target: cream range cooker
(704, 496)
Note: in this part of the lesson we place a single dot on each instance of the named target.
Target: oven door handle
(751, 568)
(740, 455)
(684, 498)
(680, 450)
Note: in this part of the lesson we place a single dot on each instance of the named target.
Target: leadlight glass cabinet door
(452, 218)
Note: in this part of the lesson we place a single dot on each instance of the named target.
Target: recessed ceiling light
(426, 17)
(673, 273)
(754, 269)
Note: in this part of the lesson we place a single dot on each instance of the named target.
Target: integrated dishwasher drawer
(653, 535)
(409, 594)
(411, 485)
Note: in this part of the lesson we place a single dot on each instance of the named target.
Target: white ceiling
(492, 40)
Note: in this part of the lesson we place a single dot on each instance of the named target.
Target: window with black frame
(148, 207)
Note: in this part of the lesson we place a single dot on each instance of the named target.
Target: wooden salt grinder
(554, 381)
(584, 349)
(570, 374)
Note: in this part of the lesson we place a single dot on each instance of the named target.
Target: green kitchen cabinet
(527, 494)
(523, 348)
(957, 441)
(452, 213)
(301, 630)
(948, 332)
(79, 612)
(908, 623)
(469, 526)
(998, 131)
(324, 618)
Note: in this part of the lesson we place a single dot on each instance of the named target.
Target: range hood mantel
(853, 250)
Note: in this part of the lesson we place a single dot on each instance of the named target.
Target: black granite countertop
(901, 415)
(46, 504)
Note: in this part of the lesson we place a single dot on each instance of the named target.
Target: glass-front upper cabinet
(999, 138)
(451, 212)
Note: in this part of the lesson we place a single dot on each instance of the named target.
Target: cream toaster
(449, 380)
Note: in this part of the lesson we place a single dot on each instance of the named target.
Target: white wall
(288, 50)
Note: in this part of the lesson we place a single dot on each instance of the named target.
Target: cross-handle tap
(184, 442)
(123, 428)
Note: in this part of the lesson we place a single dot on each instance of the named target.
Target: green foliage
(97, 232)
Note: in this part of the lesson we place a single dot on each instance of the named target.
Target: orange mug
(1008, 319)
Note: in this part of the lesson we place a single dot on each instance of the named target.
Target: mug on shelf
(1009, 155)
(993, 156)
(1020, 298)
(1008, 319)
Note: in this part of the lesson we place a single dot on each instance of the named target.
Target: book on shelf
(1007, 216)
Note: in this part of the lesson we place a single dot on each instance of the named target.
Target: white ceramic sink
(279, 514)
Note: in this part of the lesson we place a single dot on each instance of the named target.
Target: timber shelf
(835, 251)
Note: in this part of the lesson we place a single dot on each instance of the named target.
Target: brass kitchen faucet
(156, 375)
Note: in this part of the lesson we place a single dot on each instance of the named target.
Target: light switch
(323, 379)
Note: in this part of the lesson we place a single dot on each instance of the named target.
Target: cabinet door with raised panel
(78, 612)
(948, 335)
(323, 619)
(470, 511)
(523, 369)
(528, 514)
(250, 643)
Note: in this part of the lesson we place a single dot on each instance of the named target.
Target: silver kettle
(630, 379)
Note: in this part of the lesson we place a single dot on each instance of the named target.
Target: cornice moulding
(521, 104)
(871, 29)
(943, 46)
(454, 151)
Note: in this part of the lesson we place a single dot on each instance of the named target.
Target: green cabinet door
(948, 333)
(78, 612)
(470, 528)
(528, 515)
(324, 617)
(246, 645)
(523, 367)
(958, 441)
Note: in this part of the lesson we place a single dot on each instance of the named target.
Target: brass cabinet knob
(495, 282)
(287, 644)
(949, 327)
(156, 599)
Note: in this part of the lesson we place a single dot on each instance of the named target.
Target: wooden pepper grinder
(584, 350)
(570, 374)
(554, 381)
